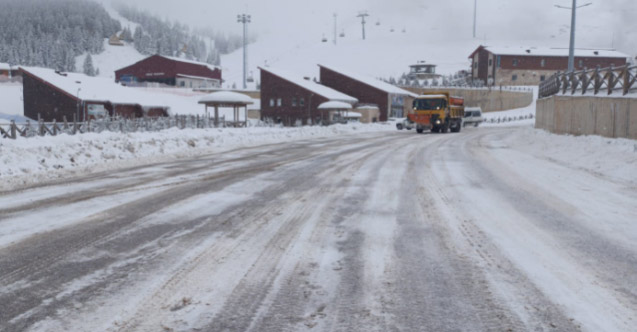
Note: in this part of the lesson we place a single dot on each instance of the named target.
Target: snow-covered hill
(112, 59)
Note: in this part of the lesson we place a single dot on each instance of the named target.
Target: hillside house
(530, 66)
(292, 100)
(391, 100)
(171, 71)
(53, 95)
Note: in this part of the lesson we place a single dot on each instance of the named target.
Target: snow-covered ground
(33, 160)
(11, 105)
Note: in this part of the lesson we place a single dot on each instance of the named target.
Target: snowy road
(388, 231)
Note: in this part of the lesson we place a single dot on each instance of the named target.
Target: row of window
(515, 77)
(296, 102)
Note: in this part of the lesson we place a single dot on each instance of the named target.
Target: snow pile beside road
(28, 161)
(614, 158)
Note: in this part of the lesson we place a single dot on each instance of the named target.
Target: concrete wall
(490, 100)
(588, 115)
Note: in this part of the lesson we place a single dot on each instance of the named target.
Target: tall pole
(245, 19)
(335, 28)
(475, 16)
(362, 15)
(571, 47)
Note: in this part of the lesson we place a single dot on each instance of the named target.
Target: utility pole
(335, 28)
(475, 16)
(245, 19)
(571, 48)
(362, 15)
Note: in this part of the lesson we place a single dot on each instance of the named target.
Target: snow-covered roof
(226, 97)
(312, 86)
(373, 82)
(212, 67)
(4, 66)
(334, 105)
(432, 96)
(197, 77)
(554, 52)
(94, 88)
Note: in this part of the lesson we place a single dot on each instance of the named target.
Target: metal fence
(121, 125)
(608, 80)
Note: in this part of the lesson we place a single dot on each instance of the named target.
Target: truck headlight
(437, 122)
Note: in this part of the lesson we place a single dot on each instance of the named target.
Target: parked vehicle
(404, 123)
(438, 112)
(472, 116)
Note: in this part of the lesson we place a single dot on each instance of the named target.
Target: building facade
(391, 101)
(531, 66)
(50, 95)
(171, 71)
(292, 100)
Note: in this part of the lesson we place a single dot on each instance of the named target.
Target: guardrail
(608, 80)
(121, 125)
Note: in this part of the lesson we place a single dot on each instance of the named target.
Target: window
(498, 60)
(543, 63)
(279, 102)
(514, 78)
(302, 101)
(271, 102)
(515, 62)
(490, 62)
(542, 78)
(182, 83)
(475, 65)
(294, 101)
(581, 63)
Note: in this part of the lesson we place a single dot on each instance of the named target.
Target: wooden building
(391, 100)
(53, 95)
(171, 71)
(530, 66)
(8, 71)
(292, 100)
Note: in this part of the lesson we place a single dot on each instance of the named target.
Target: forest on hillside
(51, 33)
(156, 36)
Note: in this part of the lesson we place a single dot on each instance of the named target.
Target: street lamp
(245, 19)
(571, 49)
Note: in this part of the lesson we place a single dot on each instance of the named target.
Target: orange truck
(438, 112)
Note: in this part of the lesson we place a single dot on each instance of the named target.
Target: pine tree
(88, 66)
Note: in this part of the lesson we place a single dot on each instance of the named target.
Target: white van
(472, 116)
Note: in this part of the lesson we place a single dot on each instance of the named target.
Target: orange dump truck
(437, 112)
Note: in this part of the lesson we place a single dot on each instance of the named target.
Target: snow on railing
(608, 80)
(115, 124)
(505, 119)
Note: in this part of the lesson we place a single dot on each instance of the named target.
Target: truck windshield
(429, 104)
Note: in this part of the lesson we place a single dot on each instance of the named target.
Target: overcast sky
(604, 24)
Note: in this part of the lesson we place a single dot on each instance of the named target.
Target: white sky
(604, 24)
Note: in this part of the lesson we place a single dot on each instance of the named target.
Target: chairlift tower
(245, 19)
(362, 15)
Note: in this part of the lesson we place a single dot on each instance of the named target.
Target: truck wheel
(419, 130)
(435, 129)
(399, 126)
(444, 128)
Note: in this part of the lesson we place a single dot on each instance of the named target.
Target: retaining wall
(490, 100)
(588, 115)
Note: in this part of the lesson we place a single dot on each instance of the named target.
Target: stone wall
(588, 115)
(490, 100)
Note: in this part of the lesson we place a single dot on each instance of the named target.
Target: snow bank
(29, 161)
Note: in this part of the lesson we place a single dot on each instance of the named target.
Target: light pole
(571, 48)
(335, 28)
(475, 16)
(245, 19)
(362, 15)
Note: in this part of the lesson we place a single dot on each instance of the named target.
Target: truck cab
(437, 112)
